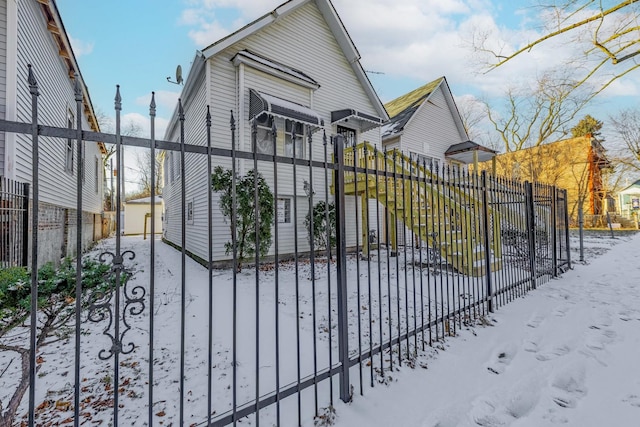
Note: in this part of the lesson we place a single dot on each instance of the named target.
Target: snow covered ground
(566, 353)
(562, 354)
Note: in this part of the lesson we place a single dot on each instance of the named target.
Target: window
(285, 131)
(68, 162)
(190, 212)
(431, 163)
(284, 211)
(349, 136)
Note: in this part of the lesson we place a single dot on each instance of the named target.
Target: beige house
(137, 216)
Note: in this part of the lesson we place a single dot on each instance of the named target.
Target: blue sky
(139, 43)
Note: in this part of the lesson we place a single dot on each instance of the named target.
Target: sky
(403, 45)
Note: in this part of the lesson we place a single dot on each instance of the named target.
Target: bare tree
(144, 164)
(539, 113)
(627, 127)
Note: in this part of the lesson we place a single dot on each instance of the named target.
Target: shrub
(246, 223)
(320, 236)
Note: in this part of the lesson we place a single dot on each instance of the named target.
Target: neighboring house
(31, 32)
(576, 164)
(295, 67)
(137, 216)
(426, 124)
(629, 201)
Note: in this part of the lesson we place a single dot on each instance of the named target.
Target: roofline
(424, 101)
(197, 69)
(337, 27)
(53, 7)
(252, 27)
(452, 103)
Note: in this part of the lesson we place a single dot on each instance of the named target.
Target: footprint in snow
(633, 400)
(535, 321)
(568, 386)
(561, 311)
(501, 359)
(599, 339)
(558, 351)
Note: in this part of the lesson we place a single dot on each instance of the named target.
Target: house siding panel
(37, 47)
(432, 124)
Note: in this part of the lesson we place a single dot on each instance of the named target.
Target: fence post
(581, 232)
(341, 269)
(566, 226)
(554, 229)
(531, 230)
(487, 240)
(25, 225)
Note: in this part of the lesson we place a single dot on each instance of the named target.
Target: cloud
(424, 39)
(142, 123)
(81, 47)
(164, 99)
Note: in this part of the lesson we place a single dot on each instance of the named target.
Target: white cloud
(80, 47)
(425, 39)
(164, 99)
(143, 123)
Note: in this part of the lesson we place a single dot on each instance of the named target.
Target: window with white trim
(284, 211)
(350, 136)
(290, 135)
(431, 163)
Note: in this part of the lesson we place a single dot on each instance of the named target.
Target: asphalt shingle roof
(401, 109)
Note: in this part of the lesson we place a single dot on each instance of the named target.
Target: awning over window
(262, 103)
(364, 121)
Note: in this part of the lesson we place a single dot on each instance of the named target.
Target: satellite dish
(178, 76)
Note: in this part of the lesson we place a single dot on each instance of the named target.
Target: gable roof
(412, 99)
(336, 26)
(402, 109)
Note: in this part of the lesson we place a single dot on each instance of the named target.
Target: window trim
(286, 213)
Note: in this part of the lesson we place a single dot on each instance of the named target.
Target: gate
(14, 217)
(166, 333)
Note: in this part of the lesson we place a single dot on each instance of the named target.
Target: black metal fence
(14, 219)
(419, 253)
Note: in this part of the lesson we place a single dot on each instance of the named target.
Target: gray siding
(434, 125)
(37, 47)
(3, 75)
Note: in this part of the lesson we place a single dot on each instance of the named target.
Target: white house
(426, 124)
(629, 200)
(31, 32)
(295, 67)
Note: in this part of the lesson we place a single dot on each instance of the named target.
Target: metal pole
(487, 246)
(341, 269)
(531, 231)
(554, 228)
(581, 232)
(610, 225)
(78, 290)
(111, 197)
(33, 89)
